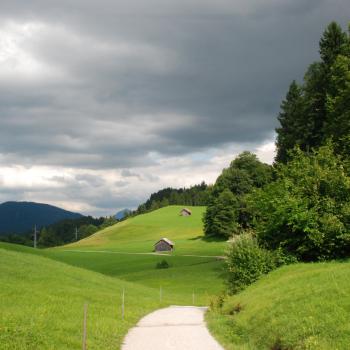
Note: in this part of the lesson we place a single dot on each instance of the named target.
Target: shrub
(247, 262)
(217, 302)
(236, 309)
(162, 264)
(306, 211)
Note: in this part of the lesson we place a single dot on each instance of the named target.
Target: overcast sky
(104, 102)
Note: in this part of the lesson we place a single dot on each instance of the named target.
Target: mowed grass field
(125, 251)
(42, 300)
(301, 306)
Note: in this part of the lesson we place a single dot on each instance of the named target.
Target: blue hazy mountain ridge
(20, 217)
(122, 213)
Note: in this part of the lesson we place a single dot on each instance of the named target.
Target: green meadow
(301, 306)
(138, 234)
(125, 251)
(42, 300)
(43, 291)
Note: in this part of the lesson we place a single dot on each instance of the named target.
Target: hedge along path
(172, 328)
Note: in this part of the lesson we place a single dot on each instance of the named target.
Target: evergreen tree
(338, 106)
(291, 130)
(314, 111)
(308, 114)
(332, 43)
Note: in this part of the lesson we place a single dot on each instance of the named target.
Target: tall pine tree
(307, 115)
(291, 132)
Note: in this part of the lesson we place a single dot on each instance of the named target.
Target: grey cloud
(129, 173)
(90, 180)
(223, 72)
(151, 178)
(118, 82)
(121, 183)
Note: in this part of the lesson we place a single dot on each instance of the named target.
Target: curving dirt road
(172, 328)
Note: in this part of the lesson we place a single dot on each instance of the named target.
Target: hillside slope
(19, 217)
(125, 251)
(138, 234)
(41, 303)
(302, 306)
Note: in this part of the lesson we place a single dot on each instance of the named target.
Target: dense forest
(193, 196)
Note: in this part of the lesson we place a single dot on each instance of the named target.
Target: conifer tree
(291, 132)
(310, 114)
(332, 43)
(338, 106)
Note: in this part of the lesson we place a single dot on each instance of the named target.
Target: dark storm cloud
(121, 81)
(105, 90)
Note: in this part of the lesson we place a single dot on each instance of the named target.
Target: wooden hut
(164, 245)
(185, 212)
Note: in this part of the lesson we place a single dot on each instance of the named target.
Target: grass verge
(301, 306)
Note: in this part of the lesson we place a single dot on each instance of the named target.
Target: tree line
(297, 209)
(62, 232)
(197, 195)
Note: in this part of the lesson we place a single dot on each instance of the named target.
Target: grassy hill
(125, 251)
(302, 306)
(41, 303)
(42, 291)
(139, 234)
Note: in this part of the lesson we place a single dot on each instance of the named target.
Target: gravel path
(173, 328)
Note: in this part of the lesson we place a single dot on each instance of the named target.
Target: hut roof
(167, 241)
(188, 210)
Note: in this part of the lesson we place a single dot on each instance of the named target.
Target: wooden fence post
(123, 303)
(85, 326)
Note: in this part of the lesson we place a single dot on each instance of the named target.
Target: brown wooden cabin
(164, 245)
(185, 212)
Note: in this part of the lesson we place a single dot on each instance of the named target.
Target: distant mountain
(121, 214)
(20, 217)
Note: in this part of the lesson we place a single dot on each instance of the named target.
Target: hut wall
(162, 246)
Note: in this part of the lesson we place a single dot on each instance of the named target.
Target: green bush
(162, 264)
(247, 262)
(306, 211)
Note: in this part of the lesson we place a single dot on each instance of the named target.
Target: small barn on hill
(164, 245)
(185, 212)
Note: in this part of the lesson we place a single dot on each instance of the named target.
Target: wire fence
(166, 297)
